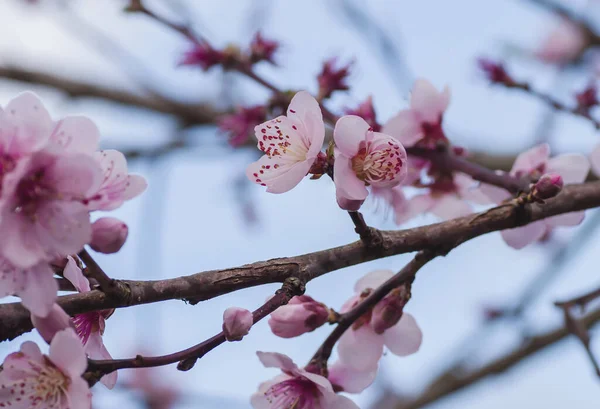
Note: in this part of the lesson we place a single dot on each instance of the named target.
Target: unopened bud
(548, 186)
(302, 314)
(388, 311)
(108, 235)
(237, 323)
(262, 49)
(495, 72)
(332, 78)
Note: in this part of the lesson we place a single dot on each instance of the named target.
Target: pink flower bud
(495, 71)
(262, 49)
(203, 55)
(388, 311)
(236, 323)
(367, 112)
(332, 79)
(108, 235)
(548, 186)
(240, 125)
(302, 314)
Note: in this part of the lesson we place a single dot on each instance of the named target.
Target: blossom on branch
(361, 346)
(108, 235)
(32, 380)
(262, 49)
(237, 323)
(296, 388)
(364, 158)
(240, 124)
(421, 124)
(290, 144)
(301, 315)
(533, 164)
(203, 55)
(332, 79)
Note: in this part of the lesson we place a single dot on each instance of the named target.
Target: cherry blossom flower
(32, 380)
(332, 79)
(117, 185)
(364, 158)
(237, 323)
(564, 44)
(361, 346)
(446, 197)
(34, 285)
(573, 168)
(367, 112)
(301, 315)
(421, 124)
(108, 235)
(240, 124)
(291, 144)
(295, 388)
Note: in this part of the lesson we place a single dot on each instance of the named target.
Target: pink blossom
(367, 112)
(547, 187)
(108, 235)
(421, 124)
(32, 380)
(361, 346)
(203, 55)
(345, 378)
(564, 44)
(295, 388)
(291, 144)
(117, 185)
(446, 198)
(301, 315)
(45, 215)
(34, 285)
(364, 158)
(573, 168)
(240, 124)
(332, 78)
(90, 325)
(262, 49)
(237, 323)
(56, 321)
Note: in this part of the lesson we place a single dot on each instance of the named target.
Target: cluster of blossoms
(52, 176)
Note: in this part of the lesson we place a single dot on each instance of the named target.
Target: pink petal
(469, 189)
(76, 175)
(494, 193)
(349, 185)
(405, 337)
(32, 351)
(573, 168)
(567, 219)
(306, 110)
(360, 349)
(40, 290)
(428, 101)
(34, 124)
(405, 127)
(415, 206)
(76, 134)
(278, 180)
(449, 206)
(73, 273)
(531, 159)
(277, 360)
(67, 353)
(323, 383)
(56, 321)
(349, 132)
(78, 394)
(372, 280)
(63, 228)
(522, 236)
(259, 400)
(95, 349)
(136, 185)
(350, 379)
(595, 160)
(347, 204)
(341, 402)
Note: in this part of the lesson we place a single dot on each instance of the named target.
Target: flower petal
(277, 360)
(566, 219)
(349, 379)
(40, 290)
(56, 321)
(346, 181)
(95, 349)
(428, 101)
(306, 110)
(413, 207)
(405, 337)
(360, 349)
(73, 273)
(573, 168)
(405, 127)
(531, 159)
(66, 352)
(449, 206)
(79, 394)
(76, 134)
(349, 132)
(522, 236)
(494, 193)
(372, 280)
(27, 112)
(595, 160)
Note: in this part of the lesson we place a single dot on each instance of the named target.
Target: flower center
(31, 191)
(44, 386)
(274, 143)
(379, 164)
(87, 323)
(294, 393)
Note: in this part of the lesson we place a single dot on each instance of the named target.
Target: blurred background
(201, 213)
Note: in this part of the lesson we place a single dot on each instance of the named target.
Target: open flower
(364, 158)
(291, 144)
(361, 346)
(573, 168)
(296, 388)
(32, 380)
(421, 124)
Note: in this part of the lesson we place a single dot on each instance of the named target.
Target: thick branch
(14, 318)
(449, 384)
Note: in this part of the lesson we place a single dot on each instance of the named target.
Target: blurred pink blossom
(332, 78)
(564, 44)
(241, 123)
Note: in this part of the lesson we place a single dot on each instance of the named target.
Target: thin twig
(111, 287)
(367, 234)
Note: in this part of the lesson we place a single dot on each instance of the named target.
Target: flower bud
(203, 55)
(332, 79)
(262, 49)
(495, 72)
(388, 311)
(236, 323)
(548, 186)
(302, 314)
(108, 235)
